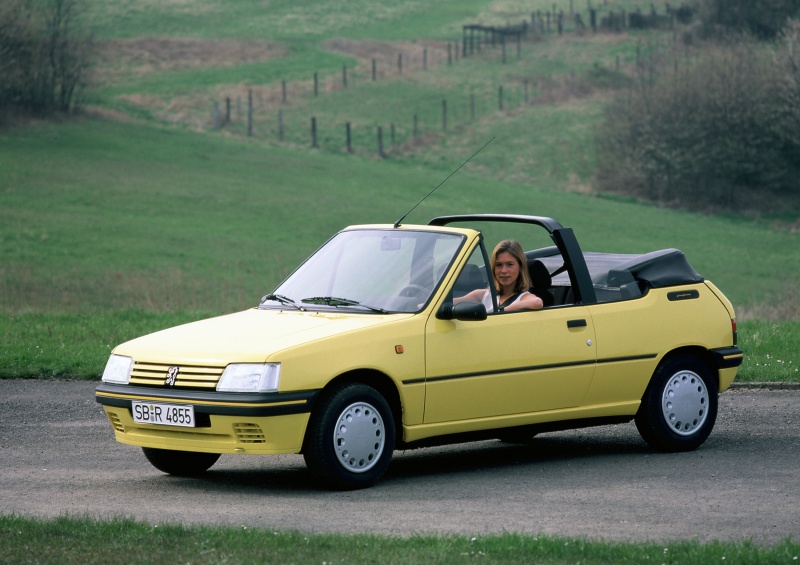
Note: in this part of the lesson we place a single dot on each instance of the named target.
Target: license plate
(164, 414)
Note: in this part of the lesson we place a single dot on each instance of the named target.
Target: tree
(44, 57)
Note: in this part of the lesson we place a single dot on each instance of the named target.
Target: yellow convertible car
(394, 336)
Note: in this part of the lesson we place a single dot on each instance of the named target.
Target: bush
(763, 19)
(719, 130)
(43, 57)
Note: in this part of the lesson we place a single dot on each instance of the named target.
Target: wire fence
(438, 116)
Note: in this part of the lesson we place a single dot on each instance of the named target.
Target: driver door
(509, 364)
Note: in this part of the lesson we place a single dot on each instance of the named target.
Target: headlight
(118, 370)
(250, 377)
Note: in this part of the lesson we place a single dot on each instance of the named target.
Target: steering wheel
(414, 291)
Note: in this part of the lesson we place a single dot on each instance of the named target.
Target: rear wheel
(350, 437)
(180, 463)
(679, 408)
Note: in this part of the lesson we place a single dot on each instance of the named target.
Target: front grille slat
(116, 422)
(189, 376)
(249, 433)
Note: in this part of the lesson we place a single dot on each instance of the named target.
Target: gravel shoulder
(58, 456)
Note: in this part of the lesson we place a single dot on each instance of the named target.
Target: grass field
(75, 540)
(110, 230)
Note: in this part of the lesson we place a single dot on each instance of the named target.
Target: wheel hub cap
(359, 437)
(685, 403)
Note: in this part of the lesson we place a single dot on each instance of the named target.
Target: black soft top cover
(667, 267)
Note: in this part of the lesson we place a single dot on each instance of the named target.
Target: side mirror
(464, 311)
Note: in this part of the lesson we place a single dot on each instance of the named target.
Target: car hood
(250, 336)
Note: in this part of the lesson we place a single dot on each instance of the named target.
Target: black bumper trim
(728, 357)
(234, 404)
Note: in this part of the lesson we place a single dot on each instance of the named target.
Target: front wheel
(679, 408)
(180, 463)
(350, 437)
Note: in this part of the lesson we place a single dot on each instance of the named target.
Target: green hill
(141, 205)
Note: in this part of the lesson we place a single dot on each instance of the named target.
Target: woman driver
(511, 279)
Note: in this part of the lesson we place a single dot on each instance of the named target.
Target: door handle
(576, 323)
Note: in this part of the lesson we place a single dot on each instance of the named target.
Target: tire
(180, 463)
(679, 408)
(350, 437)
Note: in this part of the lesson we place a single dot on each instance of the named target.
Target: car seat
(541, 281)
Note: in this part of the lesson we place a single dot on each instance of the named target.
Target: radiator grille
(188, 376)
(249, 433)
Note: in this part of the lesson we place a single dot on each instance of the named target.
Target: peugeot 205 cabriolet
(365, 348)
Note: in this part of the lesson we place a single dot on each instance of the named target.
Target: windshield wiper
(282, 299)
(336, 302)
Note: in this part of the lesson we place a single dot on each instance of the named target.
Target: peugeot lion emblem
(172, 374)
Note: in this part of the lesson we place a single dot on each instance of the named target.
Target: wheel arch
(696, 351)
(370, 377)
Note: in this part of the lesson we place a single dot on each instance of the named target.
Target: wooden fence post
(425, 59)
(314, 132)
(399, 63)
(249, 112)
(316, 84)
(374, 70)
(380, 141)
(349, 139)
(280, 124)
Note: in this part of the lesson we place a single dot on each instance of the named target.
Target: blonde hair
(515, 250)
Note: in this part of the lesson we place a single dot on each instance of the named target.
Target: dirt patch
(386, 53)
(150, 54)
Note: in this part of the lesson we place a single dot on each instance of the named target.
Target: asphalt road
(58, 456)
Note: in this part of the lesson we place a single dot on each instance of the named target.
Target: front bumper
(267, 423)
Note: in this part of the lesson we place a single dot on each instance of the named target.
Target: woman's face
(506, 270)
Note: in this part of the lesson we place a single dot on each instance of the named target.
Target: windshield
(370, 270)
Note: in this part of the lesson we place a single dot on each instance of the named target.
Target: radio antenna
(397, 223)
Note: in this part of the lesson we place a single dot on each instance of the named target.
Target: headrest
(540, 276)
(470, 279)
